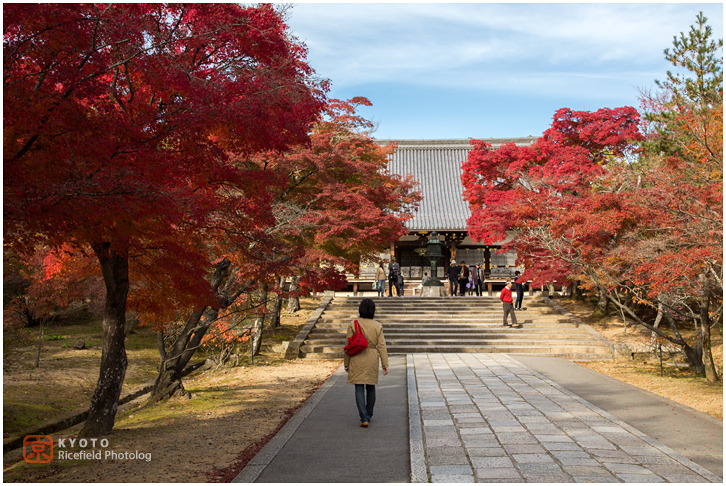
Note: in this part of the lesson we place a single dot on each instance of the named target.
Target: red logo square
(38, 449)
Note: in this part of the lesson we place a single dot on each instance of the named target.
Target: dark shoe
(518, 326)
(506, 325)
(364, 424)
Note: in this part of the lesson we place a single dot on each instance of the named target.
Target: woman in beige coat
(381, 279)
(363, 367)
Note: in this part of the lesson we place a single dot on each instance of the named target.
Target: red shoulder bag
(357, 342)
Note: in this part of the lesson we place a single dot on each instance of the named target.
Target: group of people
(395, 279)
(463, 279)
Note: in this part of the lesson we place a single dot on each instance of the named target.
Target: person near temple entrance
(393, 270)
(480, 279)
(519, 287)
(463, 278)
(453, 273)
(508, 306)
(474, 279)
(424, 279)
(381, 280)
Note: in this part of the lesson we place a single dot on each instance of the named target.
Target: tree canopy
(630, 206)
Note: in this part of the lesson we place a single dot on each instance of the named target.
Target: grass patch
(67, 377)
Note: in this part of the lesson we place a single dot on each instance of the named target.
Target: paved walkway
(489, 418)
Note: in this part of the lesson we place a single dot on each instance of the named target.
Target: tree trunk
(40, 345)
(256, 342)
(132, 322)
(602, 304)
(695, 359)
(694, 355)
(104, 403)
(705, 334)
(168, 382)
(162, 348)
(293, 302)
(277, 307)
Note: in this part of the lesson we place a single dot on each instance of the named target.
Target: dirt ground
(677, 383)
(230, 416)
(233, 412)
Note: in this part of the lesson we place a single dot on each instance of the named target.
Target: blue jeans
(381, 288)
(365, 409)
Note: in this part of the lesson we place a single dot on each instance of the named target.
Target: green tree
(682, 112)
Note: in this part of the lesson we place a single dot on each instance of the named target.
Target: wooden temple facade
(436, 165)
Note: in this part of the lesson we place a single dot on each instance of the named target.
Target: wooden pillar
(489, 288)
(355, 289)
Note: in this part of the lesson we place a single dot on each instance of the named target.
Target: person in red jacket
(506, 298)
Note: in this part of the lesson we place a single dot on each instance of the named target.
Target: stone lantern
(434, 286)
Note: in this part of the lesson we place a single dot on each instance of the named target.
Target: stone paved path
(489, 418)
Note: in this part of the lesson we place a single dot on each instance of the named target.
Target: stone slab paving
(489, 418)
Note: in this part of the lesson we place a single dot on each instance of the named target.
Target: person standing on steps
(393, 269)
(480, 274)
(463, 278)
(474, 278)
(519, 287)
(424, 279)
(381, 279)
(362, 368)
(506, 297)
(399, 284)
(453, 273)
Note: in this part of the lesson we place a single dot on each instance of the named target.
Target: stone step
(542, 331)
(557, 326)
(412, 338)
(451, 322)
(443, 333)
(458, 325)
(465, 343)
(441, 316)
(513, 348)
(435, 307)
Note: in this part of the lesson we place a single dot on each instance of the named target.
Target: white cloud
(479, 44)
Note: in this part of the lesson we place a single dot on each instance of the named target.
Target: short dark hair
(367, 309)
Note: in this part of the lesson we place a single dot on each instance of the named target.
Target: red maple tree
(539, 191)
(117, 122)
(323, 208)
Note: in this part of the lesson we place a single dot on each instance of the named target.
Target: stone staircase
(457, 325)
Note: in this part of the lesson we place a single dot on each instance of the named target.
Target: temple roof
(436, 164)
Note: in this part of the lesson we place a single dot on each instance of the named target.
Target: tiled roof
(436, 164)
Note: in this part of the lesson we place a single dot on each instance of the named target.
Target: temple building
(436, 165)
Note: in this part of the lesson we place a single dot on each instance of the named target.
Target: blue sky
(481, 70)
